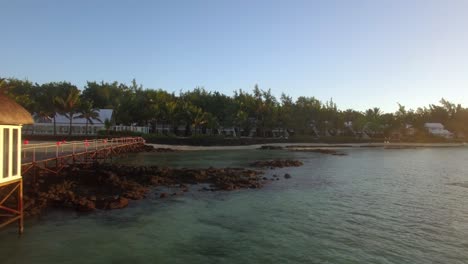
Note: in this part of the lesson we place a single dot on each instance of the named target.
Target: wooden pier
(51, 158)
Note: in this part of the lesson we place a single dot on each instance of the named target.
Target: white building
(45, 126)
(437, 129)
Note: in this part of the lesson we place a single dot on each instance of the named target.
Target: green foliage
(88, 112)
(200, 112)
(68, 102)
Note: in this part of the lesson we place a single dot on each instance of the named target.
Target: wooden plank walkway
(52, 158)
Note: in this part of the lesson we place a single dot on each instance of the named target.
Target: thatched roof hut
(12, 113)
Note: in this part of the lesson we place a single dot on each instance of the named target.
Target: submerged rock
(268, 147)
(119, 203)
(321, 150)
(86, 187)
(112, 202)
(277, 163)
(85, 205)
(149, 148)
(164, 150)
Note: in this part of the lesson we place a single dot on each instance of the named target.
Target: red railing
(32, 153)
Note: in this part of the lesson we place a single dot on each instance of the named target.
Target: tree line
(257, 112)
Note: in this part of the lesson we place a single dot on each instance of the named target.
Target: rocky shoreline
(322, 151)
(278, 163)
(328, 151)
(89, 187)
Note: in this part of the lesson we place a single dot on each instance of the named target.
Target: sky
(363, 54)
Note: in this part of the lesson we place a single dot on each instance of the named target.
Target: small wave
(460, 184)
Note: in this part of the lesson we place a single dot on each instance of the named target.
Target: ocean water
(372, 206)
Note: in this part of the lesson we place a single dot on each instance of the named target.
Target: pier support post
(20, 208)
(8, 212)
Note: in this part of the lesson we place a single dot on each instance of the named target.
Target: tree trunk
(86, 133)
(70, 115)
(55, 127)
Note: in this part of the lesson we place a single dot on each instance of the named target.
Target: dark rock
(85, 205)
(164, 150)
(86, 187)
(119, 203)
(322, 151)
(287, 176)
(183, 188)
(339, 154)
(267, 147)
(277, 163)
(149, 148)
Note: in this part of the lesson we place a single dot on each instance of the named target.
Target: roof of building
(103, 115)
(12, 113)
(434, 125)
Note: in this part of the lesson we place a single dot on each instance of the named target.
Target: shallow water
(372, 206)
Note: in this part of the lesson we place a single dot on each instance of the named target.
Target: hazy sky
(360, 53)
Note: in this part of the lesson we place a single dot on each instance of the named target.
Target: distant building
(45, 126)
(437, 129)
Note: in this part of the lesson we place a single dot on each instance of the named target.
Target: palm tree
(44, 116)
(172, 109)
(241, 121)
(68, 104)
(199, 118)
(107, 125)
(46, 100)
(88, 112)
(374, 120)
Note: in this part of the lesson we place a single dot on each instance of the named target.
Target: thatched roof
(12, 113)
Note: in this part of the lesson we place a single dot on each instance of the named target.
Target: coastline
(87, 187)
(313, 145)
(91, 186)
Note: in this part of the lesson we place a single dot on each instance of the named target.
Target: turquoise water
(372, 206)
